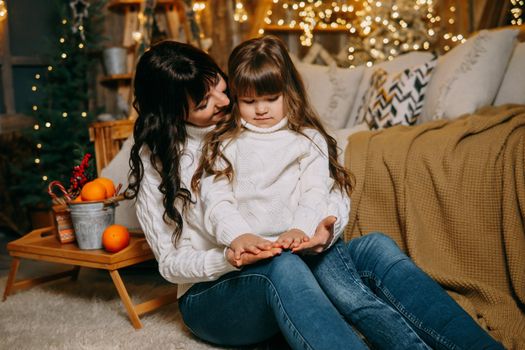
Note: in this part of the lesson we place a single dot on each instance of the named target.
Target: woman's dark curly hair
(167, 76)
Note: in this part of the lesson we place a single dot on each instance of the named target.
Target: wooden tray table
(42, 245)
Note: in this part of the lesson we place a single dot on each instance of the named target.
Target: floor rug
(88, 314)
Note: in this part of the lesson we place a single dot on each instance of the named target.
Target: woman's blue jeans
(313, 300)
(249, 306)
(393, 276)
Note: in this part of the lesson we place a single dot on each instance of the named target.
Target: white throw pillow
(331, 91)
(117, 170)
(512, 89)
(397, 65)
(395, 99)
(468, 77)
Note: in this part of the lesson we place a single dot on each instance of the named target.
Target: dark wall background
(31, 24)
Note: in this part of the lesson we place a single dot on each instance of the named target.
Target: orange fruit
(78, 199)
(108, 184)
(93, 191)
(115, 238)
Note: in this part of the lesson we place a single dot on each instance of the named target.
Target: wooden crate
(108, 138)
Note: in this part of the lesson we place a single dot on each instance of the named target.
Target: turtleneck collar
(282, 124)
(197, 133)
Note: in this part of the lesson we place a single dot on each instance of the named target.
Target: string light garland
(3, 10)
(198, 8)
(389, 28)
(240, 15)
(79, 13)
(310, 15)
(516, 12)
(378, 30)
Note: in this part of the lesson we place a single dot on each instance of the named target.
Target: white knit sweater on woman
(196, 256)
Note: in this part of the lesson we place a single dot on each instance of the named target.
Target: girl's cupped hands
(321, 240)
(249, 248)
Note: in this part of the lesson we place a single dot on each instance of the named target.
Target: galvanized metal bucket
(115, 60)
(90, 220)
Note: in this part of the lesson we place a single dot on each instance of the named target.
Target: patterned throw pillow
(396, 99)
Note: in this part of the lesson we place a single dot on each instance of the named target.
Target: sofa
(437, 145)
(437, 148)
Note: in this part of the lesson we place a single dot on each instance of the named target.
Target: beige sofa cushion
(512, 89)
(331, 91)
(468, 77)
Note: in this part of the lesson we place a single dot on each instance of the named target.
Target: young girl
(284, 160)
(180, 94)
(275, 168)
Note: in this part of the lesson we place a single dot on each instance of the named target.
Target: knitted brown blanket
(452, 195)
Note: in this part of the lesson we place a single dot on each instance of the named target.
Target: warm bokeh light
(3, 10)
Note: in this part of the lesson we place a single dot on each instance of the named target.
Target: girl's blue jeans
(318, 301)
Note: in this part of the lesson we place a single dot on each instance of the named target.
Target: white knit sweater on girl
(281, 181)
(196, 256)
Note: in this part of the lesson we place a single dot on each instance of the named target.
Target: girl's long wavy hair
(260, 67)
(167, 76)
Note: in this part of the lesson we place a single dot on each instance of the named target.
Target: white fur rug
(88, 314)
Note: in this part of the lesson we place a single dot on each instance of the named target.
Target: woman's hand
(249, 258)
(291, 239)
(321, 239)
(249, 243)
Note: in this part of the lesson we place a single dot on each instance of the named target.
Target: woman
(180, 94)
